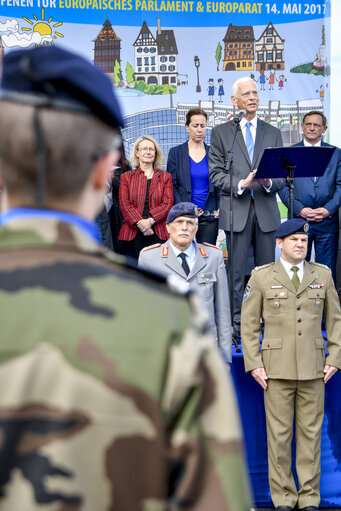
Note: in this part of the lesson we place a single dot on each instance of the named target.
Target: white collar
(288, 266)
(243, 122)
(307, 144)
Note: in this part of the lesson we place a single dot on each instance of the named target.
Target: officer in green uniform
(291, 296)
(112, 396)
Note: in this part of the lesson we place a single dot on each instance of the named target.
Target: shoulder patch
(210, 245)
(246, 292)
(145, 249)
(257, 268)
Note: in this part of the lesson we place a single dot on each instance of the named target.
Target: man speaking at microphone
(255, 211)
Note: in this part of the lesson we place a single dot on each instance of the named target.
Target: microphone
(239, 116)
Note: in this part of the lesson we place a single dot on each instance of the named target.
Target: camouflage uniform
(108, 386)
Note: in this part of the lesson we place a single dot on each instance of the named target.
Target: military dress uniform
(99, 391)
(293, 356)
(207, 278)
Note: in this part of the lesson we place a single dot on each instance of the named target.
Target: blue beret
(182, 209)
(294, 226)
(52, 77)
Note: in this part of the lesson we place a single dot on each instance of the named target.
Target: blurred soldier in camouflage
(112, 397)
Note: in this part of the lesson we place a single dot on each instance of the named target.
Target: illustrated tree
(129, 73)
(118, 77)
(218, 55)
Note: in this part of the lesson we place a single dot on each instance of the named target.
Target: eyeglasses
(146, 149)
(115, 145)
(209, 213)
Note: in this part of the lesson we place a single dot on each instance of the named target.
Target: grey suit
(255, 218)
(207, 278)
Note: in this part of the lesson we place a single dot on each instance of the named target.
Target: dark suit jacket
(132, 194)
(179, 166)
(265, 202)
(325, 192)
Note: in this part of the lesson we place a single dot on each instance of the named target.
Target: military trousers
(302, 402)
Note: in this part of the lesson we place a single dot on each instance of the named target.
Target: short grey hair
(234, 88)
(159, 159)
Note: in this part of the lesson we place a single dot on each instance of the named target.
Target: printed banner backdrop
(166, 56)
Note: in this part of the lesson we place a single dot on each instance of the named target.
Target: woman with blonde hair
(146, 196)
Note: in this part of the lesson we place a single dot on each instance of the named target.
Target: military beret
(294, 226)
(182, 209)
(53, 77)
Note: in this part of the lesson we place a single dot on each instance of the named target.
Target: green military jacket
(112, 397)
(293, 346)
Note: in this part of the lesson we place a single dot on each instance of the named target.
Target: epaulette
(210, 245)
(202, 251)
(263, 266)
(320, 264)
(145, 249)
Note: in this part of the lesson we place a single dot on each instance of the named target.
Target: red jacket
(132, 193)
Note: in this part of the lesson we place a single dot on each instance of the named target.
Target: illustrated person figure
(281, 82)
(271, 79)
(211, 89)
(188, 165)
(112, 394)
(291, 296)
(199, 266)
(221, 91)
(256, 214)
(317, 199)
(262, 78)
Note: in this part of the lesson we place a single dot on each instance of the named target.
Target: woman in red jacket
(146, 196)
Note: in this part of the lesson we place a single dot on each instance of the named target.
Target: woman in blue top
(189, 168)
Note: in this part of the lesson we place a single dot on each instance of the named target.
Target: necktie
(249, 141)
(184, 264)
(295, 280)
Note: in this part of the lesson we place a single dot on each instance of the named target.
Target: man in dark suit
(256, 215)
(317, 199)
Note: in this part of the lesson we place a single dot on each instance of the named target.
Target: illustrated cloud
(9, 26)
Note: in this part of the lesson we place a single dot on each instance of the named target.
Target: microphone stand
(229, 169)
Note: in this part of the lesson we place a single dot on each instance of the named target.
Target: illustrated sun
(43, 27)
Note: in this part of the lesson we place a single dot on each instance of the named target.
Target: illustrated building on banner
(239, 49)
(156, 60)
(269, 50)
(107, 49)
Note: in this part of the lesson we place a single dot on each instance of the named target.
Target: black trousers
(207, 231)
